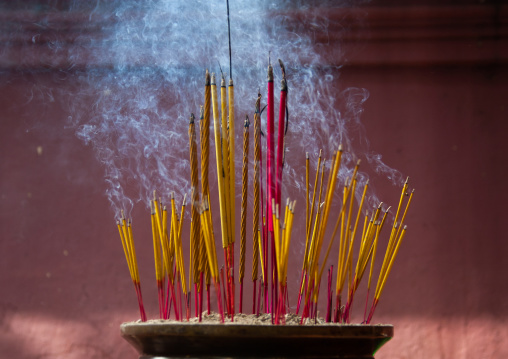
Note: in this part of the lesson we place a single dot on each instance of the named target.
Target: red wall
(437, 78)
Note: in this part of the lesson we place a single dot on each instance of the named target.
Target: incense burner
(184, 340)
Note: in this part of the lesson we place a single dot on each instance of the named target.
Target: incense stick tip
(283, 69)
(191, 119)
(270, 69)
(341, 148)
(283, 84)
(207, 78)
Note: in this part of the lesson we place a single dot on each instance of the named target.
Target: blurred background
(423, 84)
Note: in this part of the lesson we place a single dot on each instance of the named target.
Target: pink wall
(436, 112)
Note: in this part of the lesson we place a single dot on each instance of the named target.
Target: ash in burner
(239, 319)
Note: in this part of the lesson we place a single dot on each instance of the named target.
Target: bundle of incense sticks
(271, 234)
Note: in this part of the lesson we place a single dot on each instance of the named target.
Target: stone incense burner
(165, 339)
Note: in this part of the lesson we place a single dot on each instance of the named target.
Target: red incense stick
(270, 152)
(140, 302)
(254, 297)
(329, 296)
(201, 290)
(280, 137)
(209, 309)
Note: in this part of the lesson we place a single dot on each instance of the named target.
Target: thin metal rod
(229, 37)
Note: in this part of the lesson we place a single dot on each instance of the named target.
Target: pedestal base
(162, 340)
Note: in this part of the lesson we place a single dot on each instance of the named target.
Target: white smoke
(144, 72)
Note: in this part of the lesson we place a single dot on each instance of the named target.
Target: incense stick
(272, 238)
(256, 245)
(243, 221)
(197, 256)
(125, 232)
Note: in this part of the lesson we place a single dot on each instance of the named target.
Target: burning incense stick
(125, 232)
(220, 167)
(231, 132)
(308, 229)
(307, 214)
(205, 157)
(256, 247)
(227, 189)
(280, 137)
(158, 265)
(232, 182)
(243, 222)
(271, 238)
(197, 264)
(211, 253)
(225, 159)
(270, 152)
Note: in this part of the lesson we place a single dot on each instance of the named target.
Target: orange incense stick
(243, 220)
(256, 243)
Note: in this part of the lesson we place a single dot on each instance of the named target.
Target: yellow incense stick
(125, 248)
(276, 235)
(405, 211)
(256, 189)
(195, 225)
(156, 249)
(390, 265)
(342, 242)
(289, 229)
(166, 247)
(328, 203)
(133, 251)
(261, 255)
(231, 152)
(245, 183)
(374, 249)
(391, 240)
(307, 237)
(220, 167)
(307, 215)
(210, 249)
(225, 159)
